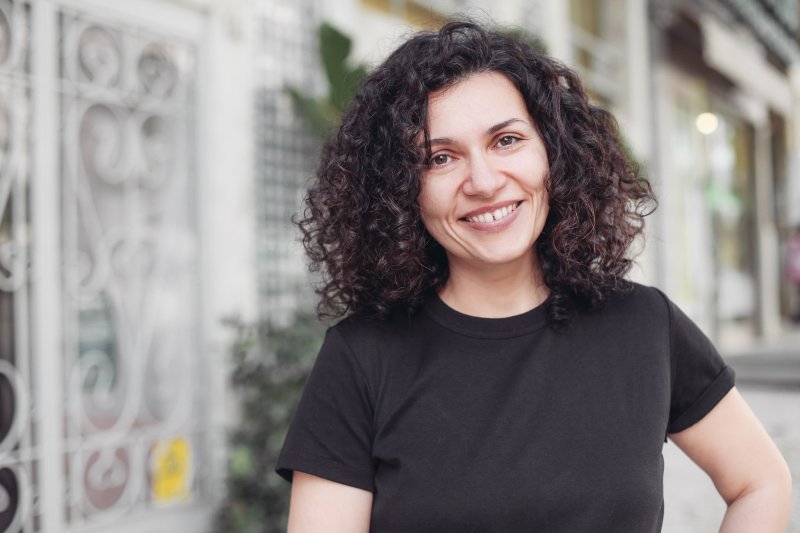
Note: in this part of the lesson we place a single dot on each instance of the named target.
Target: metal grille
(125, 354)
(286, 150)
(18, 452)
(130, 281)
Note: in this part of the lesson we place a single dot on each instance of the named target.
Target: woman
(473, 217)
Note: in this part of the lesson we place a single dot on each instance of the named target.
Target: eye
(507, 140)
(440, 160)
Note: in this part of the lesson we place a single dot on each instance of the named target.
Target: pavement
(691, 503)
(774, 364)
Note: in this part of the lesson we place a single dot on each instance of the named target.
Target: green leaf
(241, 462)
(334, 48)
(354, 80)
(522, 35)
(257, 499)
(318, 114)
(323, 114)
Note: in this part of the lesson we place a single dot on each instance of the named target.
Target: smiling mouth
(493, 216)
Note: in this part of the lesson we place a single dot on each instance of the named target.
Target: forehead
(478, 101)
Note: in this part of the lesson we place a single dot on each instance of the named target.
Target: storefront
(724, 105)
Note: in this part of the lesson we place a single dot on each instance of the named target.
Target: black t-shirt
(466, 424)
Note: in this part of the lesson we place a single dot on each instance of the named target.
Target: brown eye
(440, 159)
(507, 140)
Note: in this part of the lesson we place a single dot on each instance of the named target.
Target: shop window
(598, 47)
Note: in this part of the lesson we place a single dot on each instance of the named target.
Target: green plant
(271, 364)
(323, 114)
(270, 367)
(516, 32)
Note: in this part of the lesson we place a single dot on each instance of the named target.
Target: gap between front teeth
(495, 215)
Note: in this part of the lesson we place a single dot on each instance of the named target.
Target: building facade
(726, 94)
(121, 124)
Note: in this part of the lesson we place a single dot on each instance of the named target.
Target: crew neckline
(485, 328)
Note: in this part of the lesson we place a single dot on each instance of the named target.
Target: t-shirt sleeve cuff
(721, 385)
(324, 468)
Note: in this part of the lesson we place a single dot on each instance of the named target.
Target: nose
(484, 179)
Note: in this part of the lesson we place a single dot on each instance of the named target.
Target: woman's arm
(322, 506)
(734, 449)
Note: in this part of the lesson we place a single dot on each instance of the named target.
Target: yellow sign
(171, 464)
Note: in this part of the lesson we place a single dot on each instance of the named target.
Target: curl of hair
(361, 225)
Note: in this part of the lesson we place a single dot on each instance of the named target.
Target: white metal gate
(101, 366)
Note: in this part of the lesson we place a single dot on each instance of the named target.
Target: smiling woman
(483, 196)
(495, 371)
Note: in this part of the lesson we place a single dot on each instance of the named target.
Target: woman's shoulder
(364, 323)
(641, 294)
(366, 332)
(639, 303)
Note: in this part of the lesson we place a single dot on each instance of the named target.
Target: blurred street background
(153, 293)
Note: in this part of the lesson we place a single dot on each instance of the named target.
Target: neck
(501, 293)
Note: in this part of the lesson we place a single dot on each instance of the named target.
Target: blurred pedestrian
(495, 372)
(793, 271)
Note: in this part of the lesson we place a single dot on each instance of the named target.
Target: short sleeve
(700, 377)
(331, 433)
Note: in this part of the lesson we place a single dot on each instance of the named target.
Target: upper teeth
(494, 215)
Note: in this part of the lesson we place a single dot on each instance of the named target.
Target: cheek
(432, 225)
(544, 211)
(430, 204)
(422, 204)
(432, 218)
(424, 210)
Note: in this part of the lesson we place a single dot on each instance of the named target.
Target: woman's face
(483, 195)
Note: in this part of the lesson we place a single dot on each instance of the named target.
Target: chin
(505, 257)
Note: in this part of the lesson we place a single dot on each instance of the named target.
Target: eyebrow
(491, 131)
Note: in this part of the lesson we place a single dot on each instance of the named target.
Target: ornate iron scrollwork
(129, 238)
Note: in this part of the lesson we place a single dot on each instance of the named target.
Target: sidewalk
(768, 376)
(775, 364)
(692, 505)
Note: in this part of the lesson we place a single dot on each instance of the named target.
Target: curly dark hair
(362, 227)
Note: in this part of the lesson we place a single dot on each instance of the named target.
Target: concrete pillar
(767, 235)
(638, 123)
(557, 29)
(793, 178)
(767, 253)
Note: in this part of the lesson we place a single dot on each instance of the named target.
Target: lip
(490, 208)
(495, 225)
